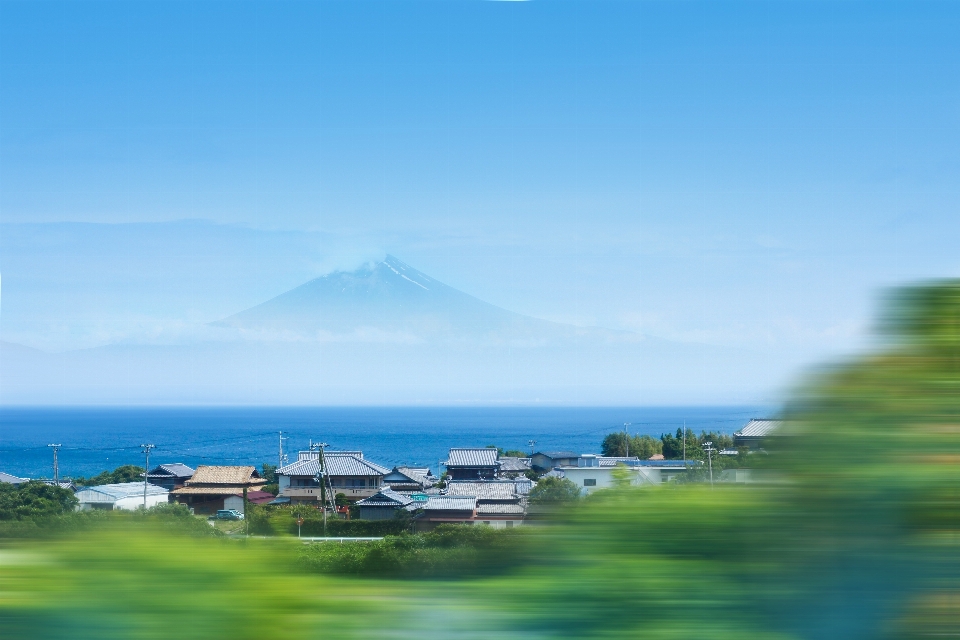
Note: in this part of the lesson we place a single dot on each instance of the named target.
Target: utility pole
(280, 457)
(684, 444)
(708, 447)
(56, 464)
(145, 450)
(323, 479)
(626, 437)
(531, 444)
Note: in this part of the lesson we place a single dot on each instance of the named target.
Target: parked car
(229, 514)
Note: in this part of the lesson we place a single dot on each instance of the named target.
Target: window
(589, 482)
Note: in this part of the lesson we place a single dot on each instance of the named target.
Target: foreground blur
(856, 536)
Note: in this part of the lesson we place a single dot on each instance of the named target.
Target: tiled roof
(508, 463)
(386, 498)
(338, 464)
(486, 457)
(172, 470)
(524, 485)
(450, 503)
(120, 490)
(494, 508)
(484, 490)
(408, 475)
(208, 474)
(6, 477)
(759, 428)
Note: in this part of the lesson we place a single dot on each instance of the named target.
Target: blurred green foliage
(449, 551)
(554, 491)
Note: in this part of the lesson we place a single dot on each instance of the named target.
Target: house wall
(499, 524)
(134, 503)
(234, 502)
(377, 513)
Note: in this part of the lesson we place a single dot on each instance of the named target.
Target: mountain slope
(392, 302)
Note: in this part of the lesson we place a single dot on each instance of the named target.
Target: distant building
(755, 432)
(500, 503)
(472, 464)
(592, 472)
(385, 504)
(511, 467)
(170, 476)
(547, 460)
(254, 497)
(409, 479)
(210, 486)
(11, 479)
(63, 484)
(439, 510)
(127, 496)
(348, 473)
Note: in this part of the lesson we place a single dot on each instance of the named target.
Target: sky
(749, 175)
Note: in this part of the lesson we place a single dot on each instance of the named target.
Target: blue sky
(743, 174)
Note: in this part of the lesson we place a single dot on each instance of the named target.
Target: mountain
(392, 302)
(385, 334)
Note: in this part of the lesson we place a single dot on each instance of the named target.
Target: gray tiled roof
(6, 477)
(508, 463)
(496, 490)
(759, 428)
(338, 464)
(493, 508)
(386, 498)
(559, 454)
(486, 457)
(174, 470)
(409, 475)
(451, 503)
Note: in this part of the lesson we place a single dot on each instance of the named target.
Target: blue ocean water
(97, 439)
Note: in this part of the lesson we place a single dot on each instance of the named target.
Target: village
(478, 486)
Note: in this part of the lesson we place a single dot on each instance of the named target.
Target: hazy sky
(739, 174)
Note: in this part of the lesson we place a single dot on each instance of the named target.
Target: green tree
(33, 500)
(553, 490)
(125, 473)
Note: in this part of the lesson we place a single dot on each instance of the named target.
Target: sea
(98, 439)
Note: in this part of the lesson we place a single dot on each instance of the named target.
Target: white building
(125, 495)
(594, 472)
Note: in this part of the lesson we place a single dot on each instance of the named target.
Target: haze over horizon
(739, 183)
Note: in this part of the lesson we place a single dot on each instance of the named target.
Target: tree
(34, 500)
(125, 473)
(554, 490)
(641, 446)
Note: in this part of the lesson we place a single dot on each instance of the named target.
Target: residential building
(347, 471)
(126, 496)
(547, 460)
(409, 479)
(63, 484)
(385, 504)
(472, 464)
(756, 432)
(439, 510)
(210, 486)
(499, 502)
(511, 467)
(593, 472)
(170, 476)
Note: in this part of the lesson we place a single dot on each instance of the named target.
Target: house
(170, 476)
(210, 486)
(409, 479)
(547, 460)
(511, 467)
(14, 480)
(499, 503)
(235, 501)
(438, 510)
(384, 504)
(472, 464)
(347, 471)
(756, 432)
(63, 484)
(126, 496)
(593, 472)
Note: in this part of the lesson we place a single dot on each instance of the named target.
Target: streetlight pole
(56, 464)
(145, 450)
(531, 444)
(626, 437)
